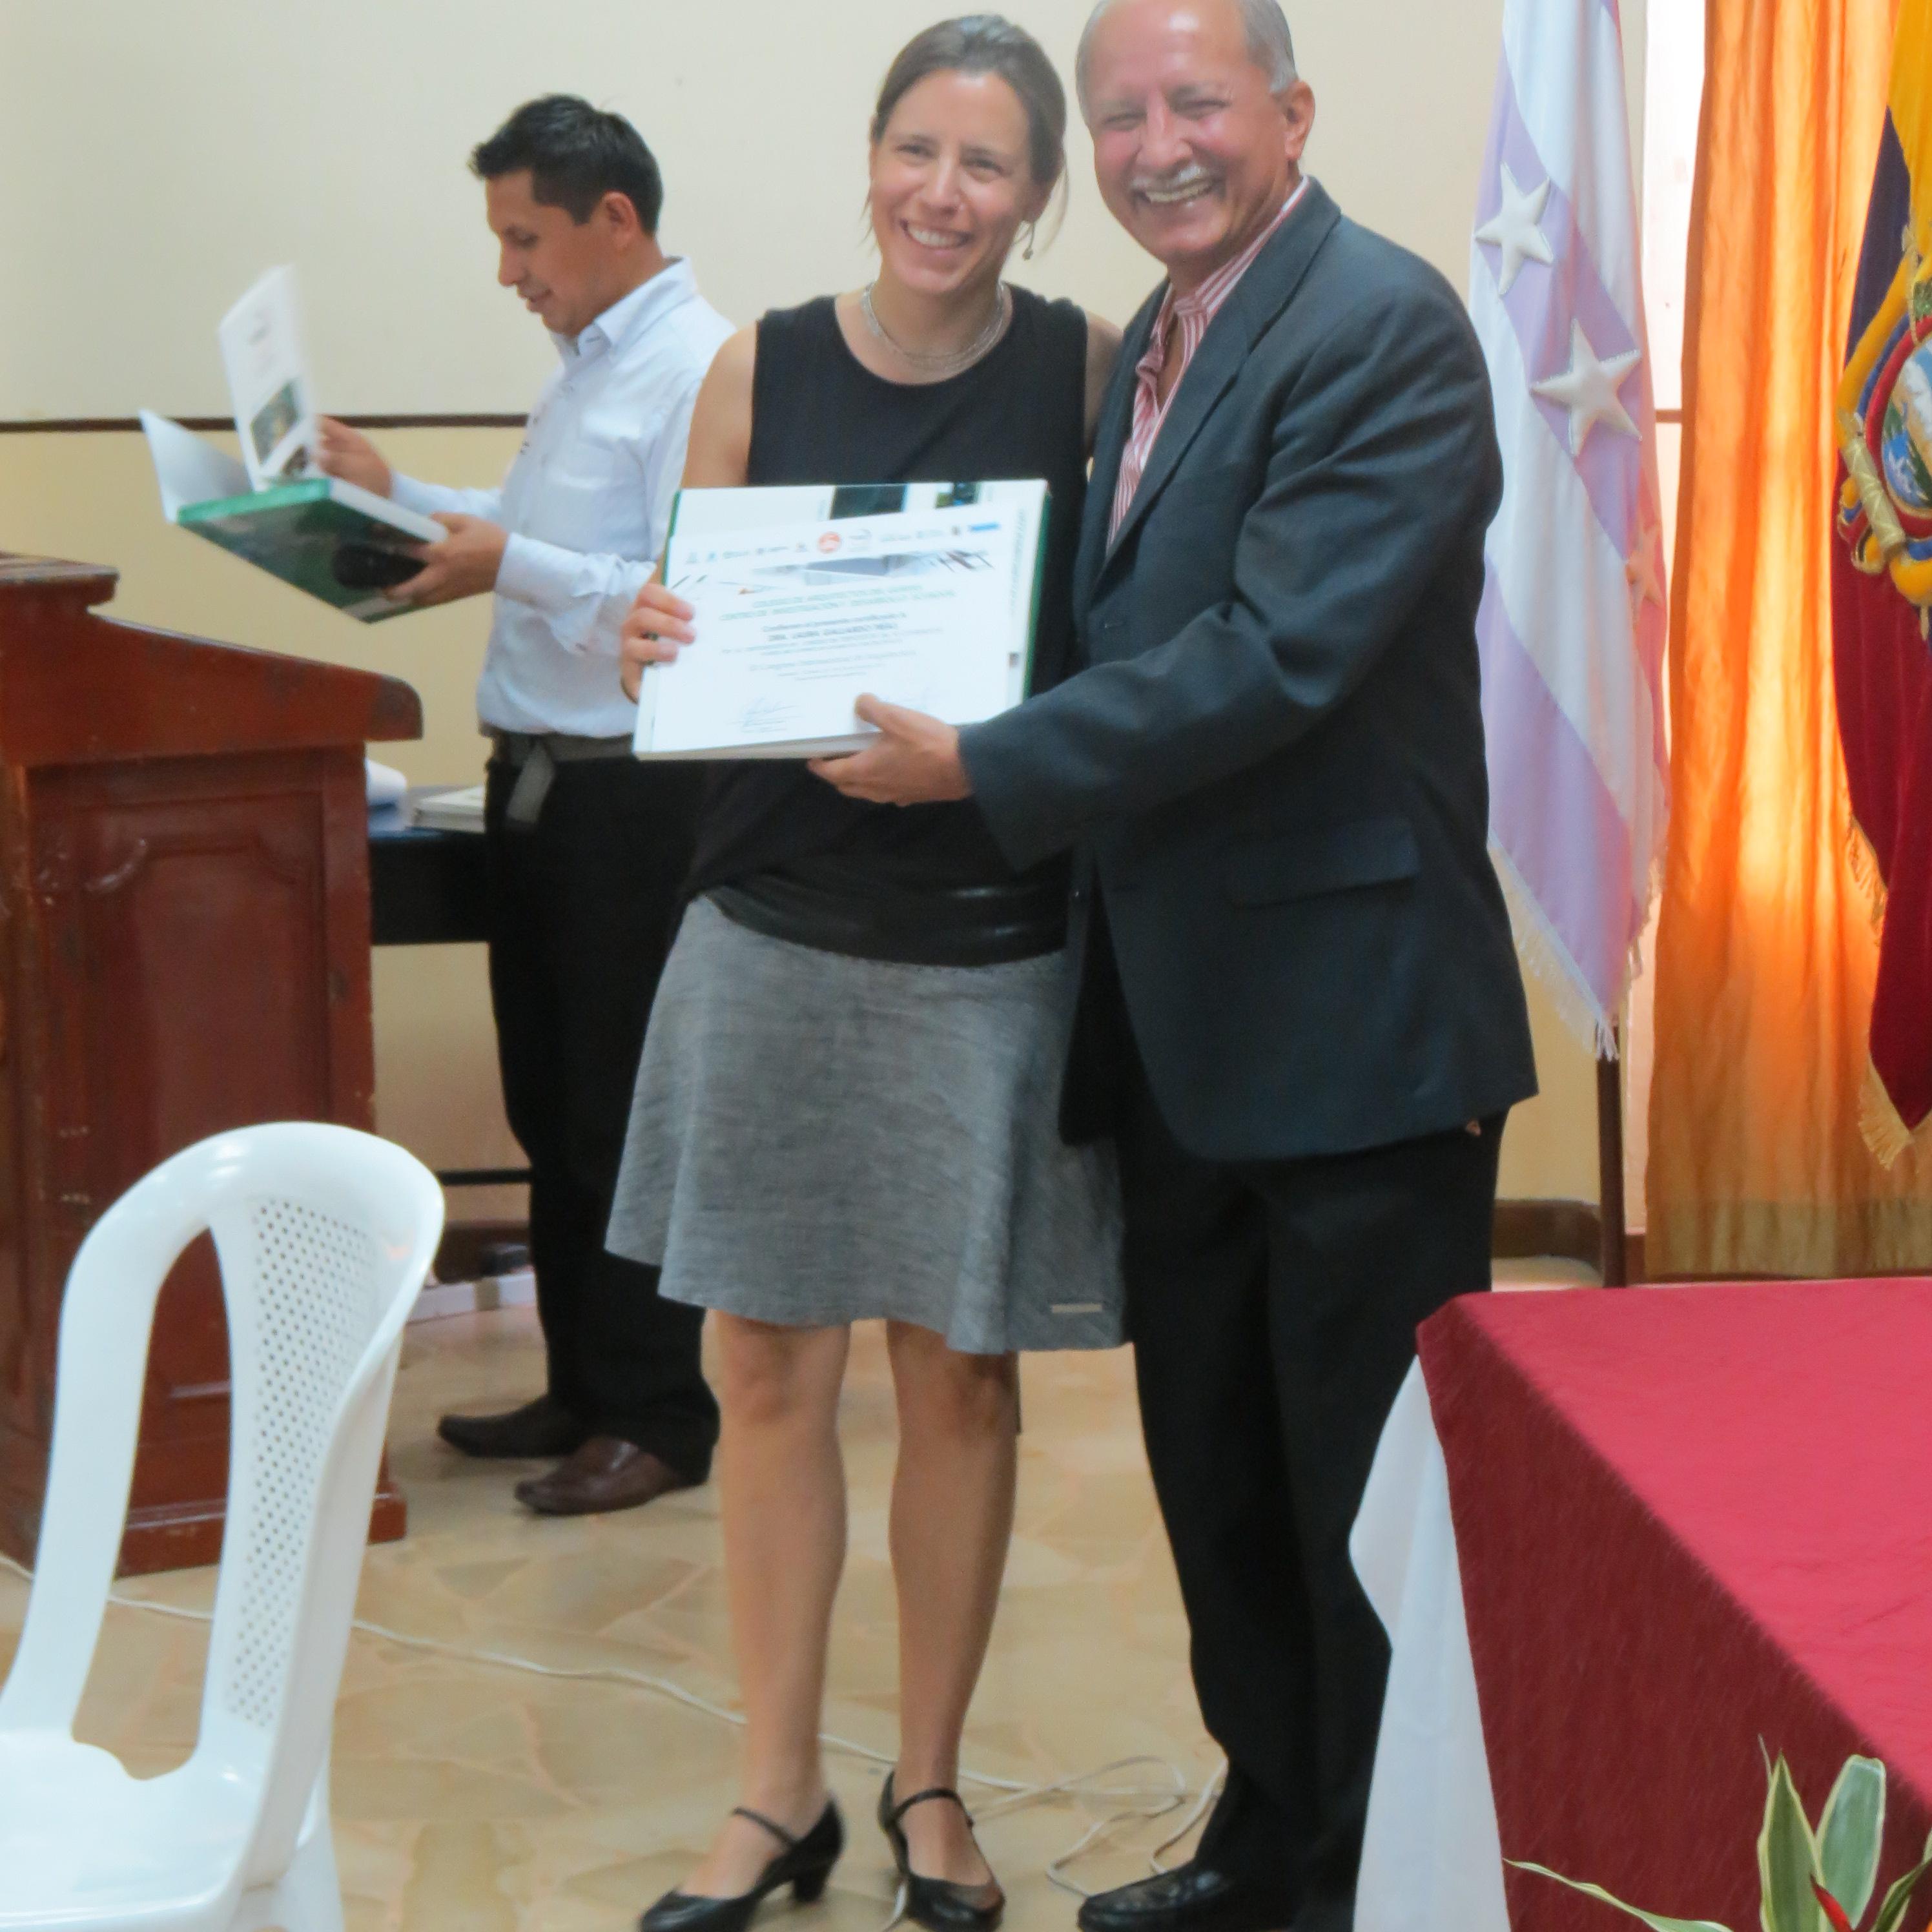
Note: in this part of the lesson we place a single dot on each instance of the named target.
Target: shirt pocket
(589, 496)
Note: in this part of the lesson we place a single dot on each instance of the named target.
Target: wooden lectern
(184, 948)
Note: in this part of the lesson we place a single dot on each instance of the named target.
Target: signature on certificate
(767, 717)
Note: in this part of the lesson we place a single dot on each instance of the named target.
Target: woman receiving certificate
(846, 1109)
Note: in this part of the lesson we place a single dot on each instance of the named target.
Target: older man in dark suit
(1300, 1012)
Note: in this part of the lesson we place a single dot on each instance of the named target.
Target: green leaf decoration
(1655, 1921)
(1849, 1834)
(1899, 1896)
(1787, 1860)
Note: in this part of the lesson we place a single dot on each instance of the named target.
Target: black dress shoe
(804, 1864)
(1192, 1898)
(604, 1474)
(544, 1427)
(937, 1904)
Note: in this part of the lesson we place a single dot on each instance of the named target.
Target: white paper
(382, 784)
(458, 809)
(708, 512)
(268, 383)
(189, 469)
(795, 622)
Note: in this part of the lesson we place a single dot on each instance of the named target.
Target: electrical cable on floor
(1017, 1794)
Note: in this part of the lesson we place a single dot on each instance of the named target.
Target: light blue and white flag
(1572, 623)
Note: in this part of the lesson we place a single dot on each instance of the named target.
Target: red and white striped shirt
(1189, 316)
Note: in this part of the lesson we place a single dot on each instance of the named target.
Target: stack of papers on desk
(456, 810)
(923, 595)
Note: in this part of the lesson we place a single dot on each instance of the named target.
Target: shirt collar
(673, 285)
(1206, 299)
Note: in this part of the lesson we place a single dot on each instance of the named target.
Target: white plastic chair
(324, 1236)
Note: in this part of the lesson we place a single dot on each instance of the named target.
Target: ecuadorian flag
(1882, 589)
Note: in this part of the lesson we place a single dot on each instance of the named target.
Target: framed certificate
(925, 595)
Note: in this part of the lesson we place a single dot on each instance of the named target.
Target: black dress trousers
(582, 907)
(1273, 1309)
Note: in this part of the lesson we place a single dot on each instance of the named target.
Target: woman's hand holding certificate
(658, 624)
(928, 607)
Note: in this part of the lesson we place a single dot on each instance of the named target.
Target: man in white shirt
(587, 848)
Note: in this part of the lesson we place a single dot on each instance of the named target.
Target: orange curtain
(1766, 948)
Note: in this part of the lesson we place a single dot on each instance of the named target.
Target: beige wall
(176, 151)
(220, 135)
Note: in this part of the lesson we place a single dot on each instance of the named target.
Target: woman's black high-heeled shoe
(936, 1903)
(804, 1864)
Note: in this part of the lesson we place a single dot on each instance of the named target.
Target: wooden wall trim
(471, 1250)
(131, 425)
(1571, 1230)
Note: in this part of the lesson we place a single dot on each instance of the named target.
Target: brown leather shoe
(544, 1427)
(606, 1473)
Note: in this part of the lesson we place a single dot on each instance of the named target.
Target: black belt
(995, 925)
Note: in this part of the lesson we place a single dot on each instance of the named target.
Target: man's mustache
(1173, 182)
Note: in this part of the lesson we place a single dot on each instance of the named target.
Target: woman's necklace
(947, 362)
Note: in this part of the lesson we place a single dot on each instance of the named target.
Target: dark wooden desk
(427, 887)
(430, 887)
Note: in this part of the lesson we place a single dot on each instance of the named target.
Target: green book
(335, 541)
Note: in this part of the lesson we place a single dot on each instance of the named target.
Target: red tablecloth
(1689, 1519)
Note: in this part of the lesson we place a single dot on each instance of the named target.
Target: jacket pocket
(1325, 859)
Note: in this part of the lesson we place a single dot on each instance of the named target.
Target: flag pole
(1612, 1262)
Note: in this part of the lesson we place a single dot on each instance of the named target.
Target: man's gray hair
(1270, 45)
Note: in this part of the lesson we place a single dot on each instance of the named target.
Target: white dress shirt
(587, 504)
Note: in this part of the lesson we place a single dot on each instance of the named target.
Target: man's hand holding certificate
(929, 607)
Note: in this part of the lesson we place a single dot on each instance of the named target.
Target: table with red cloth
(1684, 1519)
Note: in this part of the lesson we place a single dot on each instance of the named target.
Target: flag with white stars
(1572, 622)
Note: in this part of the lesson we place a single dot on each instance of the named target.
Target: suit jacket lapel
(1261, 294)
(1110, 444)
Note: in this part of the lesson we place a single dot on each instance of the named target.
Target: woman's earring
(1026, 254)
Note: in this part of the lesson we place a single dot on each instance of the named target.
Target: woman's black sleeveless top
(780, 849)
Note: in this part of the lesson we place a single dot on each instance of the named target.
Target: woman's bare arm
(1103, 351)
(718, 455)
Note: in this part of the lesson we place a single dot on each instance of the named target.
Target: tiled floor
(481, 1797)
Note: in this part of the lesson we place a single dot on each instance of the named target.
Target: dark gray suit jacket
(1273, 762)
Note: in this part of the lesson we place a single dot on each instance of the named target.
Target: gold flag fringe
(1546, 956)
(1861, 862)
(1881, 1124)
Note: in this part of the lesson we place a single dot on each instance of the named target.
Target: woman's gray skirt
(816, 1140)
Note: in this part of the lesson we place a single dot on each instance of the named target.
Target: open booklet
(330, 539)
(808, 598)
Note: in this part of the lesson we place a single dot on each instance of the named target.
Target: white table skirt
(1432, 1860)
